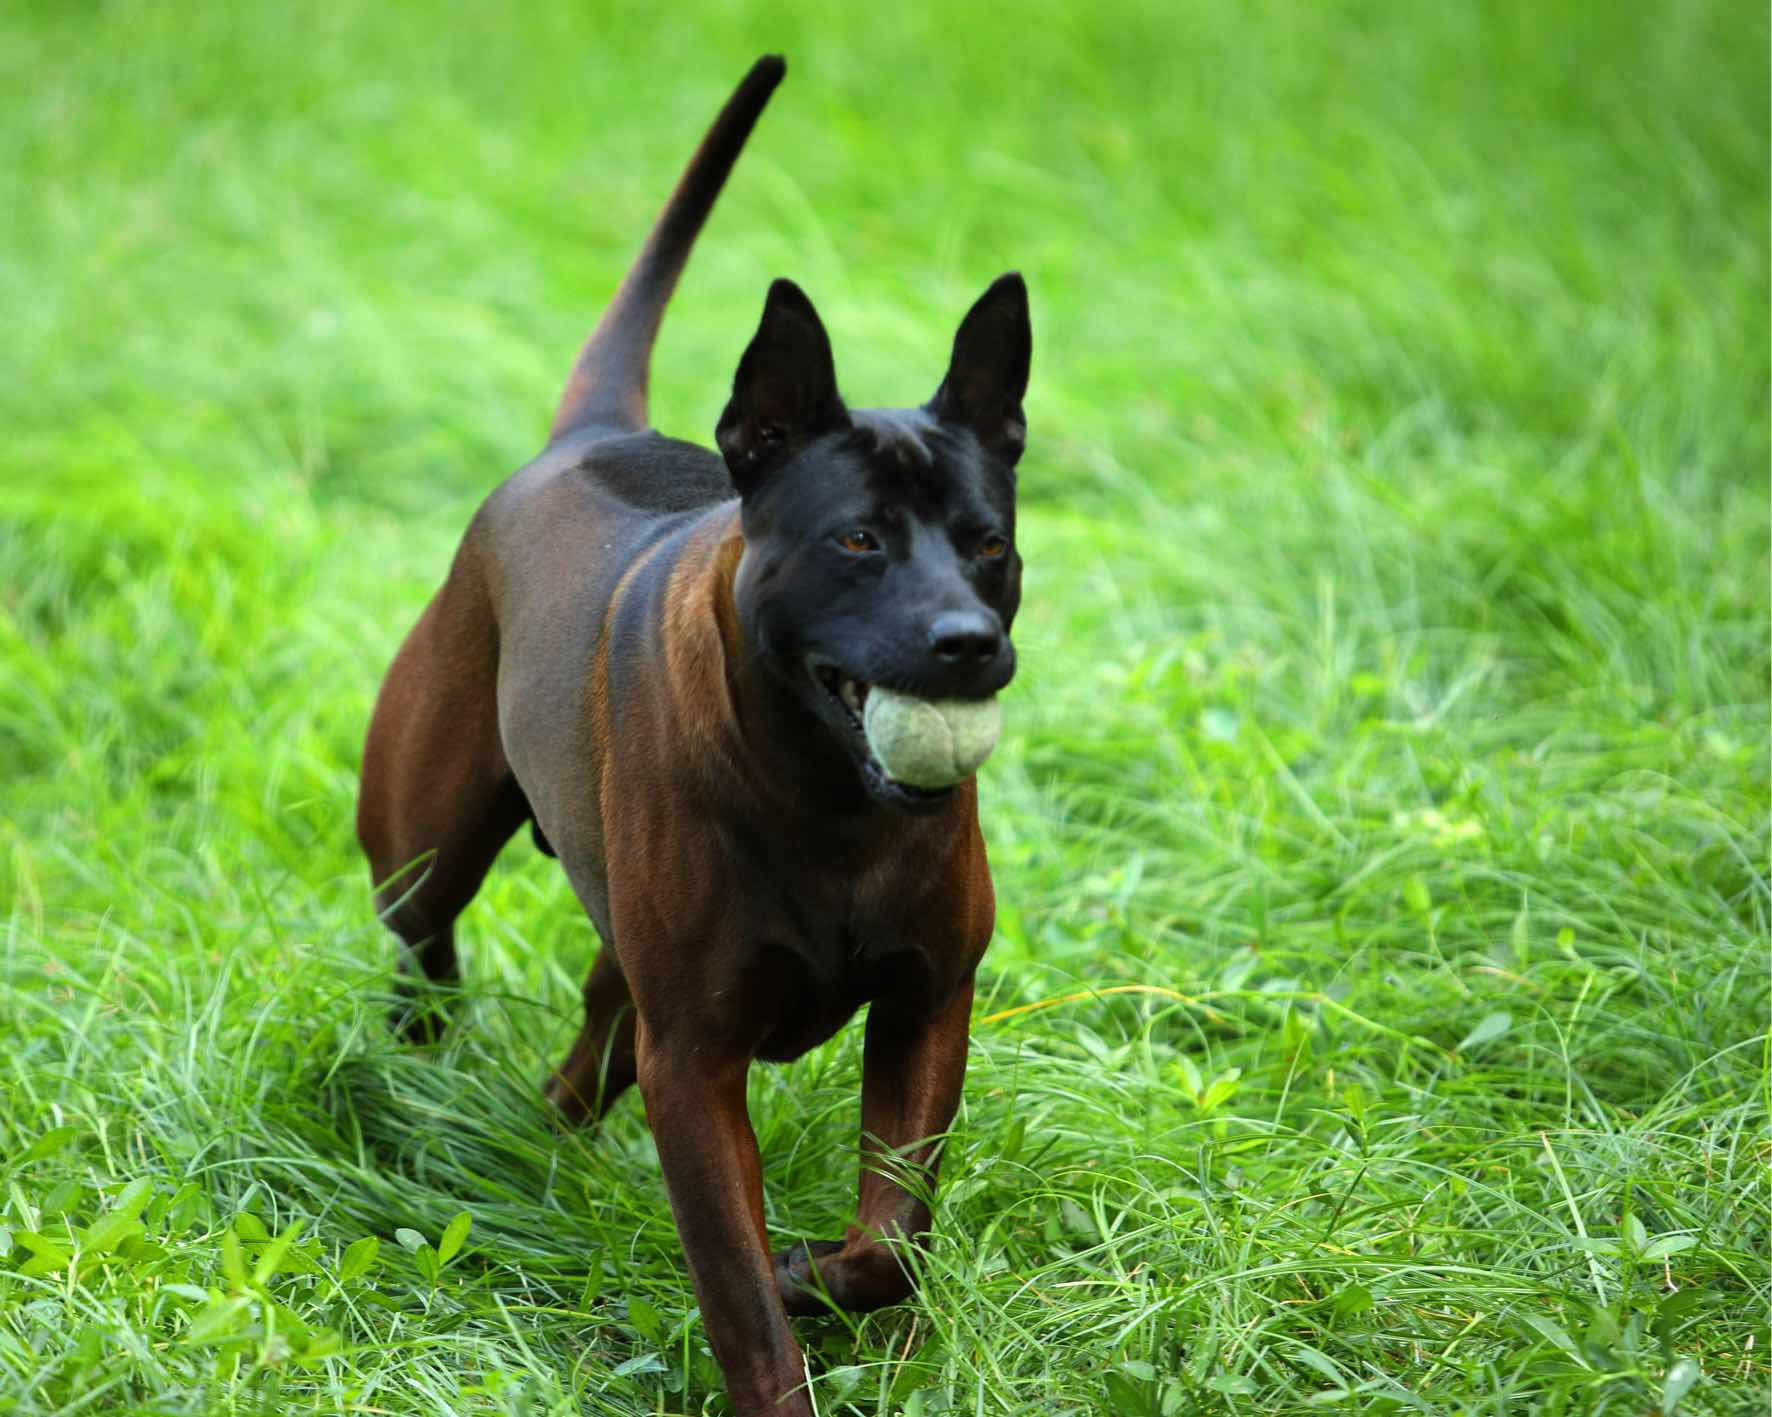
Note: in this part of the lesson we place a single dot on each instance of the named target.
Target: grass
(1378, 1018)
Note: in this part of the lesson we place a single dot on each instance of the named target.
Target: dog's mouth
(848, 696)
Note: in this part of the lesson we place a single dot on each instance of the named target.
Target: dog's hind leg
(437, 800)
(600, 1066)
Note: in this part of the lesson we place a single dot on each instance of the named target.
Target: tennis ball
(929, 742)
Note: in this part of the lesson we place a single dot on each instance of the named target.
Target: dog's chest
(843, 943)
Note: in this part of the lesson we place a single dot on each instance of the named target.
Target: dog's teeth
(852, 696)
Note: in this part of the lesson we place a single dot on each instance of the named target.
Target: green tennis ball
(930, 742)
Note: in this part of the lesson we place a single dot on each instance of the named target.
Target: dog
(657, 658)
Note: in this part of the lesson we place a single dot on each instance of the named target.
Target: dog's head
(879, 543)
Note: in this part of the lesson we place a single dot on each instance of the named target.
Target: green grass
(1378, 1018)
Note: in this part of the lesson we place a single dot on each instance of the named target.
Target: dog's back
(650, 472)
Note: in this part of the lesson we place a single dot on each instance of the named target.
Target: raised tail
(607, 387)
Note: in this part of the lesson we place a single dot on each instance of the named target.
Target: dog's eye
(993, 547)
(858, 542)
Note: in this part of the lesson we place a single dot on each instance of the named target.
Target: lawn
(1378, 1015)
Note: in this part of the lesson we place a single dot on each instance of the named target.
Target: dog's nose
(966, 636)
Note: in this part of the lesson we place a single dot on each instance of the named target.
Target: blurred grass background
(1392, 731)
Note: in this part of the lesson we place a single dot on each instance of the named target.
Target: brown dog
(660, 659)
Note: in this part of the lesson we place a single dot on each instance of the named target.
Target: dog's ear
(785, 391)
(989, 372)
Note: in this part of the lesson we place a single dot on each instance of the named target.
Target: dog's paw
(571, 1107)
(802, 1289)
(821, 1275)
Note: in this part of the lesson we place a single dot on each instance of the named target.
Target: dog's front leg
(912, 1069)
(695, 1102)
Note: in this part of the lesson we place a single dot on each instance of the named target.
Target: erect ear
(989, 373)
(785, 390)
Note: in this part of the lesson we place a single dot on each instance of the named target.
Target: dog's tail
(607, 387)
